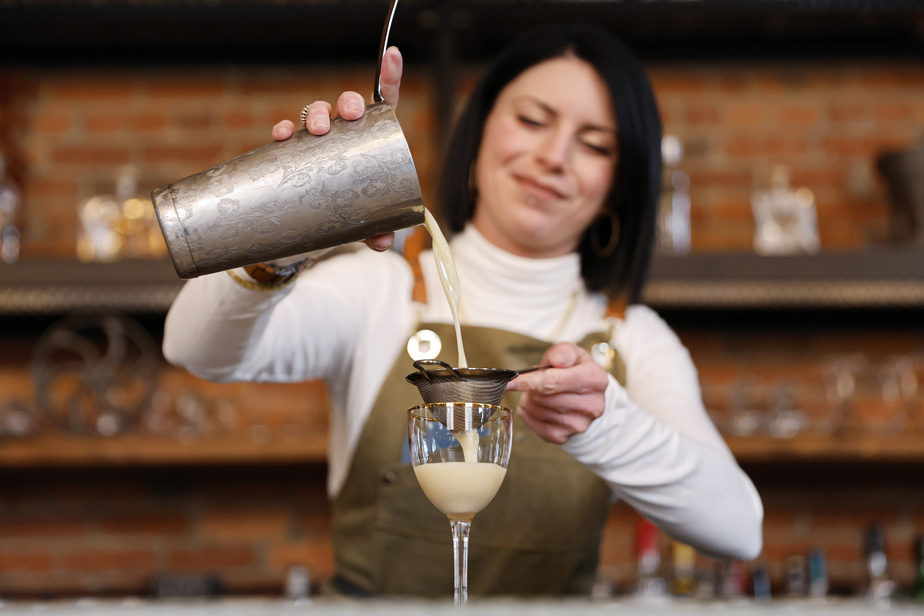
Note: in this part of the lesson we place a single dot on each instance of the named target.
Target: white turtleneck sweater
(347, 318)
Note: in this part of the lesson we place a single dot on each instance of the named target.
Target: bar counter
(327, 607)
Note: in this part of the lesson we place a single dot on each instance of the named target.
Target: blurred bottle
(9, 208)
(673, 231)
(119, 225)
(917, 591)
(879, 584)
(732, 579)
(760, 582)
(649, 581)
(818, 574)
(684, 581)
(785, 218)
(796, 583)
(298, 584)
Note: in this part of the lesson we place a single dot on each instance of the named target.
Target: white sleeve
(222, 331)
(658, 450)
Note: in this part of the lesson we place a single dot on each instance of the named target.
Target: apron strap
(417, 241)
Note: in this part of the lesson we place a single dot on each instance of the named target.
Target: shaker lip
(169, 219)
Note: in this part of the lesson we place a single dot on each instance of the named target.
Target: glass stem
(460, 530)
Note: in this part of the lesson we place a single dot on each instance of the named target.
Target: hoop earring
(600, 249)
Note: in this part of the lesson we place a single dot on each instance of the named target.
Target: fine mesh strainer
(446, 384)
(443, 383)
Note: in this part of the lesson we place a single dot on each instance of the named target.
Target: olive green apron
(539, 536)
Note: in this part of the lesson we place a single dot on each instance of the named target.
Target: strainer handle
(419, 364)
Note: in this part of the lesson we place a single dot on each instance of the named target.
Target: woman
(551, 186)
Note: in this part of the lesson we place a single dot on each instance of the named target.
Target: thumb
(562, 355)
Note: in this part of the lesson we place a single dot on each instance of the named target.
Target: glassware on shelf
(784, 217)
(673, 228)
(787, 418)
(840, 379)
(745, 417)
(460, 451)
(119, 225)
(10, 204)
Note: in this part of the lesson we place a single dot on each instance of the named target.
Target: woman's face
(546, 160)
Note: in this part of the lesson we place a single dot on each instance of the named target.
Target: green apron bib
(539, 536)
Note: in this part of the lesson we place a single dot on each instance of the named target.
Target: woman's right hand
(351, 106)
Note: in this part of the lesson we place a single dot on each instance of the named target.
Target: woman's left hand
(563, 400)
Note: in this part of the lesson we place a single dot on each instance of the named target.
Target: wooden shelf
(829, 448)
(876, 278)
(57, 286)
(130, 450)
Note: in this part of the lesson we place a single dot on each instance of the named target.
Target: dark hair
(634, 195)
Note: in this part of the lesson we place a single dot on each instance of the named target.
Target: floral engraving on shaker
(260, 221)
(270, 165)
(220, 186)
(337, 205)
(382, 176)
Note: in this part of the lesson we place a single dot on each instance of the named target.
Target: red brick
(103, 560)
(800, 116)
(185, 88)
(51, 123)
(90, 155)
(194, 153)
(49, 527)
(848, 112)
(147, 122)
(92, 89)
(245, 525)
(747, 114)
(211, 558)
(672, 84)
(701, 115)
(159, 524)
(194, 120)
(239, 119)
(53, 188)
(24, 561)
(104, 124)
(892, 112)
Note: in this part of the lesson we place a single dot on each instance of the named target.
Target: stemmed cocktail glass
(460, 452)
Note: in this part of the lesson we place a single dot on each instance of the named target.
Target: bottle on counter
(648, 550)
(917, 591)
(683, 583)
(880, 585)
(796, 583)
(818, 574)
(732, 579)
(760, 582)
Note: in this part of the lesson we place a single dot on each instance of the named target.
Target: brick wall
(111, 531)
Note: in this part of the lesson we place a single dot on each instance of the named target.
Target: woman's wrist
(272, 275)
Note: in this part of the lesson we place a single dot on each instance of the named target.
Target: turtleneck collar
(487, 268)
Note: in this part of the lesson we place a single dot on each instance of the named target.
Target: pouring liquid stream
(449, 279)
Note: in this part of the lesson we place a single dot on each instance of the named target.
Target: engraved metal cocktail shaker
(288, 197)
